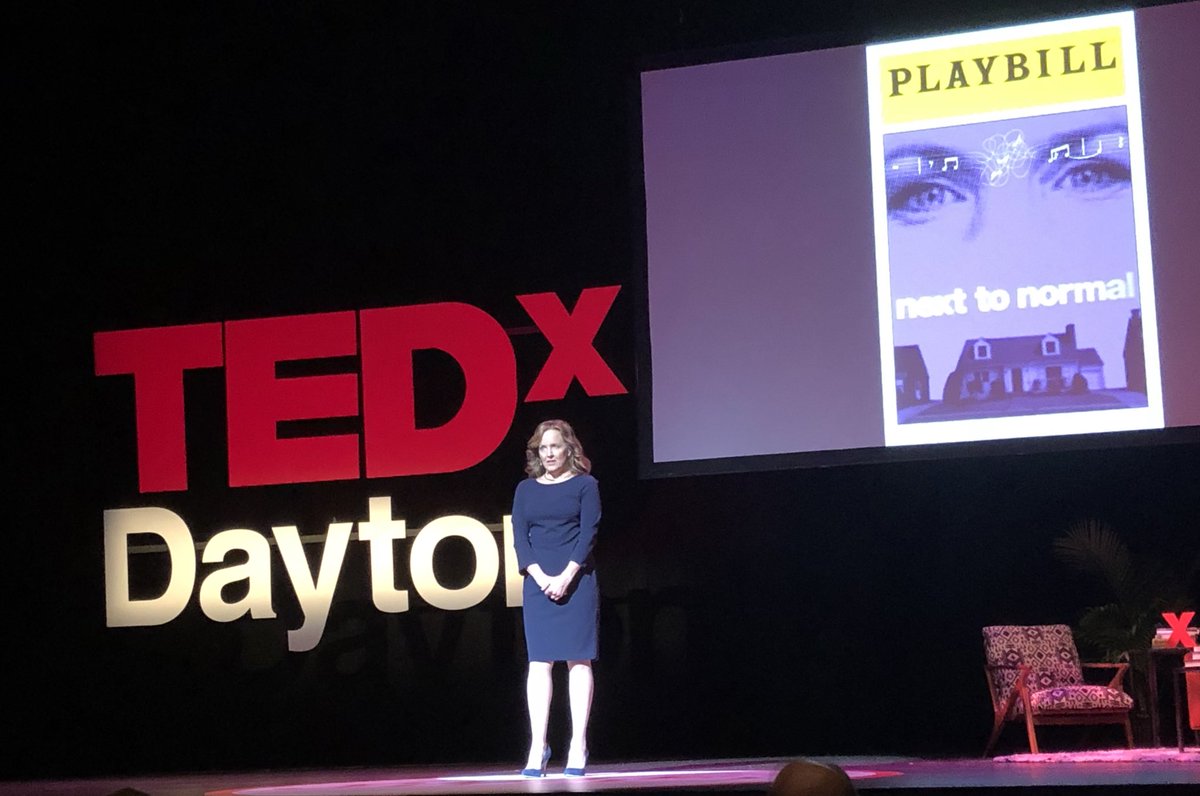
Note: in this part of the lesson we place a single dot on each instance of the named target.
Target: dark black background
(182, 163)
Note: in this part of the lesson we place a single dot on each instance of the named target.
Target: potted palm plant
(1136, 589)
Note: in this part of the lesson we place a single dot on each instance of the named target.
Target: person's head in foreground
(806, 778)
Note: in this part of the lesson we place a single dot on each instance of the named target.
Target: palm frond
(1093, 547)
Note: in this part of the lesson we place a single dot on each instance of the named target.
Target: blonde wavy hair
(577, 462)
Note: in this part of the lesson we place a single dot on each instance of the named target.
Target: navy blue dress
(552, 525)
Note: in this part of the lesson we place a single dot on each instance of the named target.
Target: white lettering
(932, 306)
(256, 571)
(380, 531)
(487, 562)
(1031, 296)
(120, 609)
(315, 597)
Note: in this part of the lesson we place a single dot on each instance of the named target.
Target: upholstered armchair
(1034, 674)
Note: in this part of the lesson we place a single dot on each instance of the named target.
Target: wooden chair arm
(1118, 675)
(1020, 689)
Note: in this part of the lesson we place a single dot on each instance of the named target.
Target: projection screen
(963, 243)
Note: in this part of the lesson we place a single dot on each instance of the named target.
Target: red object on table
(1193, 698)
(1180, 637)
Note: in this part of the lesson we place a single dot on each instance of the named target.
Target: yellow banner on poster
(1002, 76)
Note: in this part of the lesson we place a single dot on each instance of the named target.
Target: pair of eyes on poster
(1047, 174)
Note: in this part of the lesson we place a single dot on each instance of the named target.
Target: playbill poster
(1016, 293)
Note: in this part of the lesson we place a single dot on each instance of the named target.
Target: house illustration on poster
(1030, 364)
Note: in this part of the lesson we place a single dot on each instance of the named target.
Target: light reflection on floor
(752, 777)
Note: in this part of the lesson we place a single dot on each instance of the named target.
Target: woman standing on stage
(555, 514)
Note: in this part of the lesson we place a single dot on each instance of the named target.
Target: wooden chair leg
(1033, 745)
(1128, 733)
(997, 727)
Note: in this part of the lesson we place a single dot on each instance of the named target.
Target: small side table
(1157, 654)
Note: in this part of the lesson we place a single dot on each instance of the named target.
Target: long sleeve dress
(554, 524)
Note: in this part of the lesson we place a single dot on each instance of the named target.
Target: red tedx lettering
(571, 334)
(394, 445)
(258, 400)
(157, 358)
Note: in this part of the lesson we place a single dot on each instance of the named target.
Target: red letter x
(571, 334)
(1179, 627)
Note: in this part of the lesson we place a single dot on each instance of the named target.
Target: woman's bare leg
(580, 686)
(539, 688)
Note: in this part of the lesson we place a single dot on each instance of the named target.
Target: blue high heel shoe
(577, 772)
(538, 772)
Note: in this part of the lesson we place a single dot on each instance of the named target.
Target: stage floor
(1151, 772)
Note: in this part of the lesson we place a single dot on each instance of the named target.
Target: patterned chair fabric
(1079, 697)
(1048, 650)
